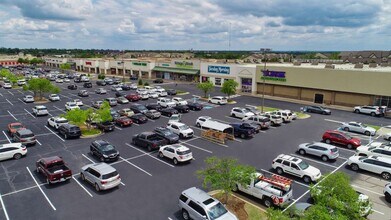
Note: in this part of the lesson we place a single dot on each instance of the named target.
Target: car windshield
(107, 147)
(245, 111)
(27, 135)
(362, 125)
(183, 127)
(183, 152)
(166, 132)
(303, 165)
(142, 108)
(348, 137)
(216, 211)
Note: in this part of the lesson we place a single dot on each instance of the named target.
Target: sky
(321, 25)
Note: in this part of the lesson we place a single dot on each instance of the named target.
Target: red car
(13, 127)
(132, 97)
(338, 137)
(123, 121)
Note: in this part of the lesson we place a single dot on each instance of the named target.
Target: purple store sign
(273, 75)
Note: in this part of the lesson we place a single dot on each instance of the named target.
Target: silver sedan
(322, 150)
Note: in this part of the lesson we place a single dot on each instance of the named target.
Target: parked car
(132, 97)
(100, 83)
(123, 121)
(322, 150)
(149, 140)
(104, 151)
(54, 97)
(133, 77)
(381, 151)
(182, 108)
(171, 92)
(116, 88)
(58, 80)
(374, 164)
(370, 110)
(56, 122)
(28, 98)
(243, 130)
(262, 121)
(168, 111)
(13, 127)
(197, 204)
(7, 86)
(101, 91)
(220, 100)
(296, 167)
(387, 192)
(125, 87)
(78, 102)
(359, 128)
(25, 136)
(105, 126)
(108, 81)
(97, 104)
(285, 115)
(53, 169)
(338, 137)
(122, 100)
(200, 120)
(72, 87)
(139, 118)
(83, 93)
(316, 109)
(153, 95)
(120, 94)
(126, 112)
(69, 131)
(112, 101)
(153, 106)
(21, 82)
(253, 109)
(101, 175)
(40, 110)
(138, 108)
(161, 92)
(176, 152)
(12, 150)
(291, 113)
(195, 106)
(114, 114)
(87, 85)
(167, 134)
(165, 103)
(71, 106)
(180, 129)
(179, 101)
(152, 114)
(158, 81)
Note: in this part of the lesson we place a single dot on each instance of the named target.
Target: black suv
(100, 83)
(69, 131)
(87, 85)
(104, 151)
(72, 87)
(105, 126)
(167, 134)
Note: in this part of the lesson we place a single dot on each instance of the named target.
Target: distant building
(366, 57)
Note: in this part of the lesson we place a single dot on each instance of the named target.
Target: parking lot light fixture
(264, 51)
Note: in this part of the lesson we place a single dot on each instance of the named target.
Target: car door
(312, 149)
(369, 165)
(88, 174)
(4, 154)
(295, 170)
(169, 152)
(175, 129)
(286, 166)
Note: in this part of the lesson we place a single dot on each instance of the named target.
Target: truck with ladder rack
(273, 191)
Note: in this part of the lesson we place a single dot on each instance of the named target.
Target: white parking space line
(10, 93)
(346, 150)
(4, 209)
(65, 96)
(9, 102)
(343, 158)
(50, 114)
(381, 213)
(51, 204)
(29, 113)
(81, 186)
(44, 134)
(88, 158)
(135, 124)
(135, 166)
(12, 115)
(21, 101)
(20, 92)
(199, 148)
(151, 120)
(164, 116)
(122, 183)
(302, 184)
(6, 137)
(306, 158)
(59, 109)
(1, 95)
(131, 158)
(118, 128)
(150, 155)
(38, 142)
(54, 133)
(339, 122)
(358, 187)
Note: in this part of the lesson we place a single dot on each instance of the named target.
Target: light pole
(264, 50)
(123, 71)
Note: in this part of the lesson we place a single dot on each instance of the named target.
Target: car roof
(103, 168)
(198, 195)
(25, 131)
(179, 147)
(176, 123)
(11, 145)
(40, 106)
(289, 158)
(101, 142)
(383, 159)
(328, 146)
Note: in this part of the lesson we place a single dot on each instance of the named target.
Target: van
(21, 82)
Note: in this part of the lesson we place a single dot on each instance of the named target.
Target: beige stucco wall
(363, 82)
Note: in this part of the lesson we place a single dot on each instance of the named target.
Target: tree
(65, 66)
(205, 87)
(276, 214)
(229, 87)
(40, 86)
(224, 174)
(103, 113)
(146, 84)
(76, 116)
(140, 82)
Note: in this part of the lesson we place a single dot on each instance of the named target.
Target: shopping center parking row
(145, 177)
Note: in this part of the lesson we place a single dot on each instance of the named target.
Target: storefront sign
(139, 64)
(219, 69)
(183, 64)
(88, 63)
(273, 75)
(165, 64)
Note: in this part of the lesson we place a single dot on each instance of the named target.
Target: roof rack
(278, 181)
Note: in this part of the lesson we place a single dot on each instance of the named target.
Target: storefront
(172, 73)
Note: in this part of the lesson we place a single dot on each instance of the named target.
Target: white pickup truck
(275, 190)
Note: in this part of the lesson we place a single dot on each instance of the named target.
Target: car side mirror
(205, 217)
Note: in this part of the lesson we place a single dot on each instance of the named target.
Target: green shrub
(146, 84)
(101, 76)
(140, 82)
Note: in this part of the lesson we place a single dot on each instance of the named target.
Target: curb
(91, 136)
(214, 192)
(185, 93)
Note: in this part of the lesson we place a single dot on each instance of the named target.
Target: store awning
(176, 70)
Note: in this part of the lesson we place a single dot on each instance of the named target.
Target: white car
(371, 110)
(387, 192)
(381, 151)
(144, 95)
(14, 150)
(220, 100)
(153, 95)
(54, 97)
(291, 113)
(285, 115)
(201, 120)
(359, 128)
(116, 88)
(374, 164)
(21, 82)
(28, 98)
(100, 91)
(176, 152)
(240, 113)
(58, 80)
(7, 86)
(161, 92)
(40, 110)
(56, 122)
(78, 102)
(387, 136)
(296, 167)
(179, 101)
(71, 105)
(180, 129)
(66, 80)
(164, 102)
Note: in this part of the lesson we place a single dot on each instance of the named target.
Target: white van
(21, 82)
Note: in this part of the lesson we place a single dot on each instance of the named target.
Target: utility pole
(264, 50)
(229, 37)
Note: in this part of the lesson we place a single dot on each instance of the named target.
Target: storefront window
(205, 79)
(218, 81)
(247, 85)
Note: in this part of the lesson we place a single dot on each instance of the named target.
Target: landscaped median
(300, 115)
(89, 133)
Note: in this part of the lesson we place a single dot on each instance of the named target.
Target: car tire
(367, 133)
(386, 175)
(17, 156)
(38, 170)
(97, 187)
(354, 167)
(181, 136)
(328, 141)
(233, 115)
(243, 136)
(325, 158)
(236, 189)
(149, 148)
(346, 129)
(102, 159)
(373, 114)
(65, 136)
(185, 214)
(388, 197)
(350, 146)
(357, 111)
(306, 179)
(161, 155)
(175, 161)
(279, 171)
(82, 177)
(302, 152)
(389, 139)
(48, 181)
(323, 113)
(268, 202)
(198, 125)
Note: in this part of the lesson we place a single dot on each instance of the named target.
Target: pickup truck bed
(53, 169)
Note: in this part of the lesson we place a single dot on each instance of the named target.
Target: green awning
(176, 70)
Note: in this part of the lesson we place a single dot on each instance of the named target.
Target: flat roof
(176, 70)
(337, 67)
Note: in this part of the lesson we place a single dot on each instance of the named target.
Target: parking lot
(150, 185)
